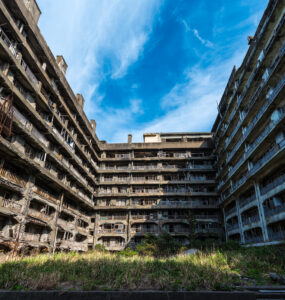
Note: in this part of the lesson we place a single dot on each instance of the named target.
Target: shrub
(100, 248)
(159, 246)
(128, 252)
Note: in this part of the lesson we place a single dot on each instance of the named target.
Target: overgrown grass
(207, 270)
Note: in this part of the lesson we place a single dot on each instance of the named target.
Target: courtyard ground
(205, 270)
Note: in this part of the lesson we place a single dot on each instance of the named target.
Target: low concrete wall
(127, 295)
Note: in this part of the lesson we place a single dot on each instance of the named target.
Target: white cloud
(197, 35)
(193, 103)
(97, 38)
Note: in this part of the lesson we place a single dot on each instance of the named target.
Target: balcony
(8, 43)
(29, 73)
(114, 247)
(44, 194)
(276, 235)
(65, 223)
(10, 176)
(208, 230)
(143, 217)
(269, 212)
(250, 220)
(12, 205)
(143, 231)
(40, 215)
(230, 212)
(259, 164)
(253, 240)
(111, 231)
(113, 217)
(267, 103)
(231, 227)
(206, 217)
(36, 237)
(254, 122)
(245, 201)
(40, 137)
(275, 183)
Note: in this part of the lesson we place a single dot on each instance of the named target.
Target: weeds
(207, 270)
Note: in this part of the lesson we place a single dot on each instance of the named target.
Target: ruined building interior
(61, 188)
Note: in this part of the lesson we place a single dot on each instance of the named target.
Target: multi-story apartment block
(157, 186)
(249, 134)
(61, 188)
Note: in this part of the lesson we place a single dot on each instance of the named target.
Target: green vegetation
(212, 269)
(163, 245)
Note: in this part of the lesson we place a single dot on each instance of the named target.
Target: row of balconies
(261, 57)
(160, 154)
(23, 120)
(254, 168)
(154, 216)
(43, 140)
(11, 176)
(157, 167)
(158, 179)
(271, 95)
(42, 67)
(32, 78)
(133, 191)
(251, 147)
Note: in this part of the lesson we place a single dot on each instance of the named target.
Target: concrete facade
(250, 138)
(61, 188)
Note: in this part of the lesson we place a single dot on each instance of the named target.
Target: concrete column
(129, 228)
(240, 222)
(27, 199)
(225, 224)
(96, 227)
(261, 212)
(54, 225)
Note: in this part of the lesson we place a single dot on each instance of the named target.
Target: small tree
(159, 246)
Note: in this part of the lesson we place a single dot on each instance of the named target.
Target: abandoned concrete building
(61, 188)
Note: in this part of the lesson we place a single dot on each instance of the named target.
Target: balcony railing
(269, 212)
(143, 217)
(260, 163)
(36, 237)
(257, 118)
(9, 44)
(253, 101)
(113, 217)
(29, 72)
(40, 137)
(44, 194)
(253, 240)
(119, 231)
(230, 211)
(276, 182)
(244, 202)
(12, 177)
(232, 226)
(248, 220)
(276, 235)
(40, 215)
(12, 205)
(139, 230)
(206, 216)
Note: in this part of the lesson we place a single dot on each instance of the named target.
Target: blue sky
(149, 65)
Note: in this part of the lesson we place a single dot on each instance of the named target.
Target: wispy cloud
(99, 38)
(197, 35)
(192, 104)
